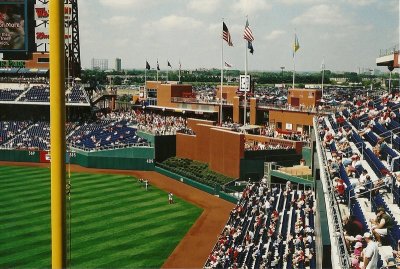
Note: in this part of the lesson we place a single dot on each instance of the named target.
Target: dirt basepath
(195, 247)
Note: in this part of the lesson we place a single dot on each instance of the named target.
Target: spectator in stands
(340, 189)
(353, 229)
(370, 254)
(355, 163)
(385, 181)
(378, 148)
(381, 224)
(396, 256)
(333, 168)
(355, 263)
(358, 248)
(366, 130)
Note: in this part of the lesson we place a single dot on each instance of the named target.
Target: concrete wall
(292, 117)
(307, 97)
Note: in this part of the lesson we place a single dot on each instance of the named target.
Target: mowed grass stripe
(135, 229)
(113, 219)
(117, 205)
(128, 242)
(124, 220)
(26, 219)
(121, 255)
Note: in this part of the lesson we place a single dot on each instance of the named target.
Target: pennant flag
(226, 35)
(147, 65)
(228, 65)
(169, 64)
(158, 66)
(248, 35)
(296, 44)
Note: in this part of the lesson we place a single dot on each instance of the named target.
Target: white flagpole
(179, 71)
(157, 73)
(390, 81)
(167, 73)
(294, 67)
(247, 86)
(323, 73)
(145, 76)
(222, 76)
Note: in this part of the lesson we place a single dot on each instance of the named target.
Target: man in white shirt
(370, 253)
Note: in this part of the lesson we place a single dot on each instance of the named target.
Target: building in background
(100, 64)
(118, 64)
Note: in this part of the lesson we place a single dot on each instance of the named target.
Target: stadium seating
(38, 93)
(9, 94)
(268, 228)
(378, 114)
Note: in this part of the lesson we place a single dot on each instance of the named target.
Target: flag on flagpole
(158, 66)
(296, 45)
(248, 35)
(226, 35)
(228, 65)
(169, 64)
(180, 65)
(147, 65)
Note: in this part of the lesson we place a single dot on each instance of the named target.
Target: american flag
(226, 35)
(227, 64)
(248, 34)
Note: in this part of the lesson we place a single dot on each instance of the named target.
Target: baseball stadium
(192, 176)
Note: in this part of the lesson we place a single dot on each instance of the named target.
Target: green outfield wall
(135, 158)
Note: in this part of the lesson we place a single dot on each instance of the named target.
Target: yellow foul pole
(57, 135)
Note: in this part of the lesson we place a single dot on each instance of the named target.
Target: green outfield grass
(115, 222)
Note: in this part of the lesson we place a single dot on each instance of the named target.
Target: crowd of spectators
(270, 227)
(362, 147)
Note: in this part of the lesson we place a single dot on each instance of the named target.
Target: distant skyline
(348, 34)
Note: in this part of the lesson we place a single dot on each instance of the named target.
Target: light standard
(184, 119)
(144, 112)
(282, 68)
(390, 78)
(165, 119)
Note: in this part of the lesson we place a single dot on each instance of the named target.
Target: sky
(345, 34)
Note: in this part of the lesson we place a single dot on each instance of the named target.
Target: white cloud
(360, 2)
(122, 21)
(123, 4)
(248, 7)
(275, 34)
(173, 22)
(204, 6)
(300, 2)
(321, 15)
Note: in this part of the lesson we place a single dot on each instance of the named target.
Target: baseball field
(114, 221)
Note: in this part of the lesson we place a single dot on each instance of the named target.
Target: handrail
(332, 206)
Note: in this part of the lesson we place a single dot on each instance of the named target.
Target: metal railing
(198, 101)
(332, 207)
(109, 147)
(389, 51)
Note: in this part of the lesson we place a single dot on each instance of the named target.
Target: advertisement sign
(13, 25)
(42, 35)
(244, 83)
(42, 12)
